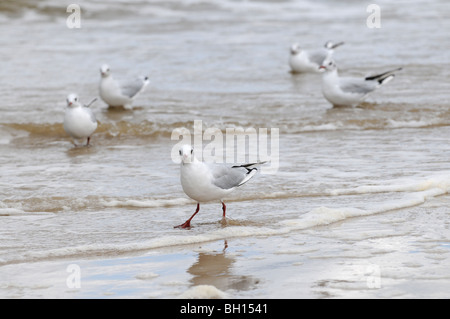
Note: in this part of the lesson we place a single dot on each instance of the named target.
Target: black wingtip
(246, 166)
(249, 165)
(381, 76)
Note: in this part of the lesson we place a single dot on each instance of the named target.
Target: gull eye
(179, 152)
(192, 150)
(330, 63)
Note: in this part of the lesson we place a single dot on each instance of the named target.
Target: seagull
(346, 91)
(206, 182)
(303, 61)
(117, 94)
(79, 120)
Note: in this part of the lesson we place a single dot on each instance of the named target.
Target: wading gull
(347, 91)
(304, 61)
(117, 94)
(79, 120)
(206, 182)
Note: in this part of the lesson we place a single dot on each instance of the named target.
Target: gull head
(328, 65)
(72, 100)
(187, 154)
(295, 49)
(105, 70)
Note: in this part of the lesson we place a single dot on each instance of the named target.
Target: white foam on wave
(9, 134)
(11, 212)
(416, 193)
(150, 203)
(323, 127)
(441, 181)
(411, 124)
(322, 216)
(185, 238)
(203, 292)
(367, 125)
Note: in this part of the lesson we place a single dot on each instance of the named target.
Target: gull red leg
(224, 209)
(187, 224)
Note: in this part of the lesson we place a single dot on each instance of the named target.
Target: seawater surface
(359, 204)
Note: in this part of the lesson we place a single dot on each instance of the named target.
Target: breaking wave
(414, 193)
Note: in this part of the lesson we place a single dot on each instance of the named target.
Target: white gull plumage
(79, 120)
(349, 91)
(306, 61)
(206, 182)
(117, 94)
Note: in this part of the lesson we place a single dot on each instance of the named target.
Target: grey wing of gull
(318, 56)
(357, 86)
(132, 87)
(91, 115)
(227, 177)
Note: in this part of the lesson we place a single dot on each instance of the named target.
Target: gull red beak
(322, 67)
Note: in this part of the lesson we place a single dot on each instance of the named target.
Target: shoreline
(372, 257)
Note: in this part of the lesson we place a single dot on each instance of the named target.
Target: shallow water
(357, 208)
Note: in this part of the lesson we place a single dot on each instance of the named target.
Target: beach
(353, 202)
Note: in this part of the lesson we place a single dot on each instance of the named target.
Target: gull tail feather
(386, 79)
(383, 77)
(252, 169)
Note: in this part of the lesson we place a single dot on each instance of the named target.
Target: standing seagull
(79, 120)
(303, 61)
(346, 91)
(116, 94)
(210, 182)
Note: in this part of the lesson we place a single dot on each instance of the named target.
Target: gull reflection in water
(216, 269)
